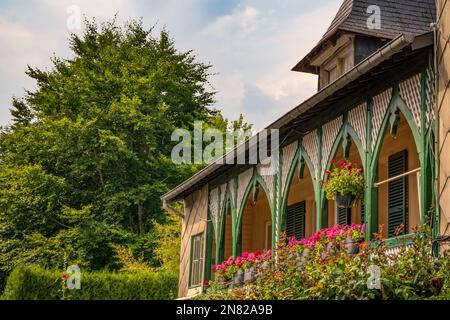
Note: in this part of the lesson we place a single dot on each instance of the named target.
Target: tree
(88, 152)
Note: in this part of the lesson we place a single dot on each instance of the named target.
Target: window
(344, 216)
(398, 193)
(295, 220)
(332, 75)
(363, 213)
(195, 275)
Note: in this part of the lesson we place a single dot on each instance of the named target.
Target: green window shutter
(295, 220)
(397, 192)
(363, 213)
(344, 216)
(196, 262)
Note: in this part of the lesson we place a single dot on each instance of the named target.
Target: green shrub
(34, 283)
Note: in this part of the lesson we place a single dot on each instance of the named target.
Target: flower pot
(329, 251)
(304, 258)
(238, 278)
(249, 275)
(351, 246)
(346, 201)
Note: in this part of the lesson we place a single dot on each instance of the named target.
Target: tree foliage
(87, 157)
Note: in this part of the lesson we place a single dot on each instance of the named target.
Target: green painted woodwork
(301, 159)
(394, 121)
(208, 249)
(423, 139)
(398, 192)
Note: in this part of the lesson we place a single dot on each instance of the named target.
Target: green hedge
(34, 283)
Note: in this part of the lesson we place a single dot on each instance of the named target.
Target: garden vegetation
(321, 268)
(88, 155)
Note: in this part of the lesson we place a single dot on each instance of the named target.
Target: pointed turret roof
(411, 17)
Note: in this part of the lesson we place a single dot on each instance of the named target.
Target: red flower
(328, 172)
(332, 161)
(341, 163)
(206, 283)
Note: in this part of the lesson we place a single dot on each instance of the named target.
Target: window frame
(198, 261)
(300, 203)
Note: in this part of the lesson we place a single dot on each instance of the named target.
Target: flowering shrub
(321, 268)
(228, 268)
(346, 179)
(339, 233)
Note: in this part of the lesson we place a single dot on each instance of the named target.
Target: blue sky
(252, 45)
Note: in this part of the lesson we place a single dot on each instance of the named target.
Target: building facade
(376, 106)
(443, 106)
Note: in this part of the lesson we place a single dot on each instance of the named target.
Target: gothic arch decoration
(222, 196)
(357, 120)
(214, 210)
(410, 92)
(289, 152)
(397, 105)
(218, 198)
(244, 181)
(226, 190)
(269, 181)
(380, 107)
(311, 146)
(252, 180)
(300, 160)
(330, 134)
(345, 136)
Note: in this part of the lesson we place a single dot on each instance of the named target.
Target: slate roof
(411, 17)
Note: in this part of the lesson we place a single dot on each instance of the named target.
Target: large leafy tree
(87, 157)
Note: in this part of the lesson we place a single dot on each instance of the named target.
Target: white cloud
(21, 46)
(92, 8)
(232, 90)
(252, 45)
(242, 21)
(258, 47)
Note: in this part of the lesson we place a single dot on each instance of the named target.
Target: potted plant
(344, 183)
(249, 275)
(351, 246)
(238, 277)
(355, 235)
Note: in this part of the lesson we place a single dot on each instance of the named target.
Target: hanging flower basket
(346, 201)
(344, 183)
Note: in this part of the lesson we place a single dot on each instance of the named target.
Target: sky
(252, 45)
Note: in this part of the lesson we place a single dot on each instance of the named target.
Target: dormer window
(348, 40)
(333, 74)
(335, 62)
